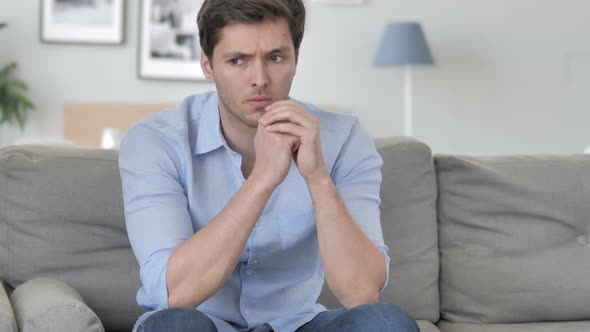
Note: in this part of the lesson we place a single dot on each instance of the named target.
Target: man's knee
(378, 317)
(396, 318)
(177, 320)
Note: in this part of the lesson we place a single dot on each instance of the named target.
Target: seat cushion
(61, 216)
(514, 238)
(426, 326)
(408, 220)
(523, 327)
(7, 319)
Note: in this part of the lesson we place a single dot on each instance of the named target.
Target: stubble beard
(236, 115)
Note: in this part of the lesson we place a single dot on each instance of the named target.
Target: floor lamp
(404, 44)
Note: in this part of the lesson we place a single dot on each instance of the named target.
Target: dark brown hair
(214, 15)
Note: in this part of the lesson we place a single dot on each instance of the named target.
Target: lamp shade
(403, 44)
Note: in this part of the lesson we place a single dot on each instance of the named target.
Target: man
(240, 203)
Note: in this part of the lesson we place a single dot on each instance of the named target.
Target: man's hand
(274, 153)
(287, 117)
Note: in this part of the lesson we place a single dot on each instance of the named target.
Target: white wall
(500, 85)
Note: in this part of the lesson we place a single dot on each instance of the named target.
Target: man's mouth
(259, 102)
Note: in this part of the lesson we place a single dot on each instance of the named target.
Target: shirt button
(255, 261)
(246, 311)
(582, 240)
(249, 272)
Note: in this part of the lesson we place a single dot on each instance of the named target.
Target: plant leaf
(9, 68)
(17, 84)
(25, 102)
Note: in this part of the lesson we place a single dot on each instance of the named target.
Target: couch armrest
(7, 319)
(45, 304)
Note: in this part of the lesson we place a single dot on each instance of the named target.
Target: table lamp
(404, 44)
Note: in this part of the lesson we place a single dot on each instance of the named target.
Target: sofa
(477, 243)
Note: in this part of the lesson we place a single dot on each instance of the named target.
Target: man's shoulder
(331, 121)
(172, 129)
(339, 131)
(179, 117)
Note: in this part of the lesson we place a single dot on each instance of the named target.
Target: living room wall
(510, 76)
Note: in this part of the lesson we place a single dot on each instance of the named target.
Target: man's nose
(259, 74)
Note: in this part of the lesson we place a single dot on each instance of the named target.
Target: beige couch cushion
(49, 305)
(514, 238)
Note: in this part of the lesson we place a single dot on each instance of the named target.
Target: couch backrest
(61, 216)
(514, 238)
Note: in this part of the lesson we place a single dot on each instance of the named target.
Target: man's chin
(252, 122)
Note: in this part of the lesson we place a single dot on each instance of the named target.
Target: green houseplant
(14, 105)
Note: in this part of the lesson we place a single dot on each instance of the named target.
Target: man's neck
(239, 138)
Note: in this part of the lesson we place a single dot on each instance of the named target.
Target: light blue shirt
(178, 173)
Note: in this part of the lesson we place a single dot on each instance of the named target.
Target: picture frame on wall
(169, 46)
(83, 21)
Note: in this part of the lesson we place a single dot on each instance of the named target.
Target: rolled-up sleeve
(357, 175)
(156, 212)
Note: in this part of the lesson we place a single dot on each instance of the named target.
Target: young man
(240, 203)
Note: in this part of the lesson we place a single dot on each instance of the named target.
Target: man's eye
(236, 61)
(276, 58)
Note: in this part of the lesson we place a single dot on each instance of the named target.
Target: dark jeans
(375, 317)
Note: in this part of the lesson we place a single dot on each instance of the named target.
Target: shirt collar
(209, 136)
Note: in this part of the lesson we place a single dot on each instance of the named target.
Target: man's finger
(280, 103)
(286, 128)
(287, 114)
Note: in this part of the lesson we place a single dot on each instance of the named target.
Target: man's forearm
(202, 264)
(353, 265)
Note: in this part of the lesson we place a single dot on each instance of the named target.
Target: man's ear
(207, 67)
(296, 62)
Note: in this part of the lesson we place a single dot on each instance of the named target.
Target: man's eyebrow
(233, 55)
(284, 49)
(238, 54)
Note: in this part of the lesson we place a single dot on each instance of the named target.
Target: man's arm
(179, 268)
(354, 267)
(201, 265)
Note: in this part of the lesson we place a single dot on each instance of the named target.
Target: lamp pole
(408, 101)
(404, 44)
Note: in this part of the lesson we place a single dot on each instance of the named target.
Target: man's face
(252, 67)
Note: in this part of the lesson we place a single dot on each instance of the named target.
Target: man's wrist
(260, 185)
(320, 178)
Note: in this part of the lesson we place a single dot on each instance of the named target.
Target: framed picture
(169, 40)
(82, 21)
